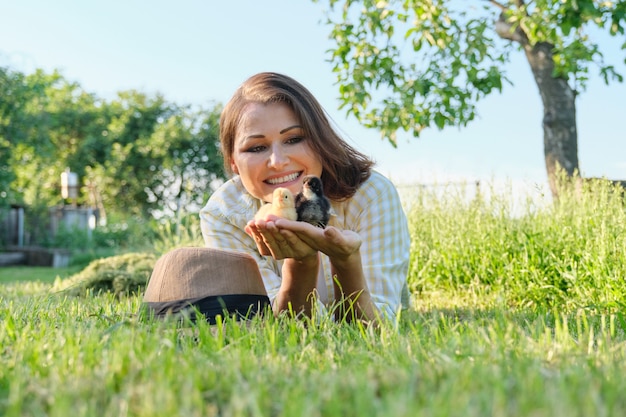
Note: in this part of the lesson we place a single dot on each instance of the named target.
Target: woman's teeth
(286, 178)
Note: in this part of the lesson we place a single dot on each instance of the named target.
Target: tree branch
(499, 5)
(504, 29)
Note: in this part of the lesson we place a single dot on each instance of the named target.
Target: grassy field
(513, 316)
(37, 273)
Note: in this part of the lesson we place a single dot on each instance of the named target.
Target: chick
(312, 205)
(282, 205)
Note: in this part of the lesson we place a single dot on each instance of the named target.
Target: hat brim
(205, 281)
(237, 306)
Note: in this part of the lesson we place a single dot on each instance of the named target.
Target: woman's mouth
(284, 179)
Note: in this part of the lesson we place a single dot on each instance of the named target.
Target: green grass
(512, 317)
(11, 274)
(569, 255)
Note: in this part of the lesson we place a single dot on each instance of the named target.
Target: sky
(199, 51)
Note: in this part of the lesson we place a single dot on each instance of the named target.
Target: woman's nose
(278, 157)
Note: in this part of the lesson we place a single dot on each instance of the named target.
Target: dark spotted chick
(312, 206)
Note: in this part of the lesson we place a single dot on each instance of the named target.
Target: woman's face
(271, 151)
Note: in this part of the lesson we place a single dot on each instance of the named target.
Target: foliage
(125, 232)
(81, 259)
(184, 233)
(128, 273)
(114, 247)
(159, 153)
(119, 235)
(565, 25)
(72, 238)
(409, 65)
(136, 155)
(567, 254)
(48, 126)
(120, 275)
(11, 92)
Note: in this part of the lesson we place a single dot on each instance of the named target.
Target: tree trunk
(560, 137)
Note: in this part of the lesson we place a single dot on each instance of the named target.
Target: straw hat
(205, 280)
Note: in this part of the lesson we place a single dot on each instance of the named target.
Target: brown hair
(344, 168)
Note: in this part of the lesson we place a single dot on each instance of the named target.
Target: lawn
(512, 316)
(35, 273)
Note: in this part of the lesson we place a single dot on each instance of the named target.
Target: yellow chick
(283, 205)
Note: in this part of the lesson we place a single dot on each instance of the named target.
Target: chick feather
(282, 205)
(312, 206)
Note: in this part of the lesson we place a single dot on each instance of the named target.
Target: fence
(27, 237)
(518, 194)
(12, 226)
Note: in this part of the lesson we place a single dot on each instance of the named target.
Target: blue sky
(198, 52)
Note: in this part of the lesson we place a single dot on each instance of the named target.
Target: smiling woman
(274, 134)
(271, 150)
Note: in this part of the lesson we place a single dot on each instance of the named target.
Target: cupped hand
(272, 240)
(282, 238)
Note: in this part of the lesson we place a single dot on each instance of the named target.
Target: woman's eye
(255, 149)
(295, 139)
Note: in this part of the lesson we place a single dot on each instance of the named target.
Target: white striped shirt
(374, 212)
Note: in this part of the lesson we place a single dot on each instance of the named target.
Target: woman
(273, 132)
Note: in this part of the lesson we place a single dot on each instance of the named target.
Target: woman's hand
(272, 240)
(302, 241)
(282, 238)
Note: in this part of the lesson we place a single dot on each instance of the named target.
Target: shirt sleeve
(382, 224)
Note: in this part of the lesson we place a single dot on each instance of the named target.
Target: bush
(122, 275)
(124, 233)
(72, 238)
(171, 234)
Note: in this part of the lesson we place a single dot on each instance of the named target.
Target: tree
(11, 98)
(185, 150)
(156, 154)
(410, 64)
(135, 155)
(44, 120)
